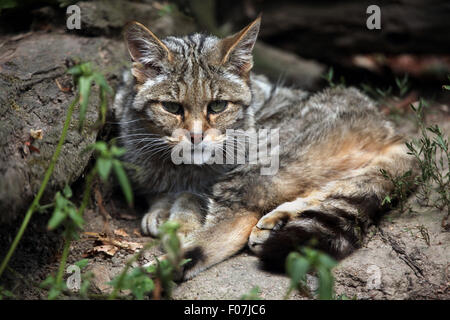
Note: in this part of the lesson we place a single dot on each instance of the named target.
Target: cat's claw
(152, 221)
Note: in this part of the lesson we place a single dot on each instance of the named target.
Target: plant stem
(64, 256)
(35, 204)
(68, 239)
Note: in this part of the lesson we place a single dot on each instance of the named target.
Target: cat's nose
(196, 138)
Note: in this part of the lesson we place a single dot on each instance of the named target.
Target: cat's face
(191, 89)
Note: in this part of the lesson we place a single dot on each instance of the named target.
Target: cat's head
(197, 84)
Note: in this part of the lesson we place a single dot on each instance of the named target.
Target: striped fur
(333, 145)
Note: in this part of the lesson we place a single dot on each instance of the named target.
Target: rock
(30, 70)
(278, 64)
(100, 278)
(398, 262)
(233, 278)
(107, 17)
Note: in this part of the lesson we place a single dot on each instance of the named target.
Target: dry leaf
(36, 134)
(106, 248)
(133, 246)
(121, 233)
(128, 245)
(60, 87)
(137, 233)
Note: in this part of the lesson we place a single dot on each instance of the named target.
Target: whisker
(123, 122)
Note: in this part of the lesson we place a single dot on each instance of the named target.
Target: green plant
(401, 185)
(84, 76)
(253, 294)
(167, 9)
(298, 264)
(56, 287)
(85, 278)
(5, 294)
(446, 86)
(160, 275)
(137, 281)
(432, 154)
(329, 79)
(169, 268)
(65, 211)
(107, 159)
(378, 94)
(402, 85)
(389, 97)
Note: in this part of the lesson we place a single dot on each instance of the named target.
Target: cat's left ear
(237, 49)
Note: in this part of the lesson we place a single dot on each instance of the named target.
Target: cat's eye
(217, 106)
(172, 107)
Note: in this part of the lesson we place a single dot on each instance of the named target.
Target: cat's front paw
(153, 220)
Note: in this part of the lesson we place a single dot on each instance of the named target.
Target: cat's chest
(173, 179)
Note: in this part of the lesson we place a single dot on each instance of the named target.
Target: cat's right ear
(149, 54)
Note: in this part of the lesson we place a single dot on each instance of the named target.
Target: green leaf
(169, 227)
(326, 261)
(142, 285)
(57, 218)
(5, 293)
(47, 282)
(137, 281)
(76, 217)
(103, 106)
(82, 263)
(85, 90)
(151, 268)
(104, 167)
(254, 294)
(117, 152)
(297, 266)
(184, 261)
(67, 191)
(75, 70)
(325, 283)
(54, 293)
(440, 141)
(123, 181)
(100, 146)
(100, 80)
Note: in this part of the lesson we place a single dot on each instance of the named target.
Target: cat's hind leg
(329, 224)
(334, 216)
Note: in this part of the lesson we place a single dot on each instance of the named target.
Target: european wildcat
(332, 146)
